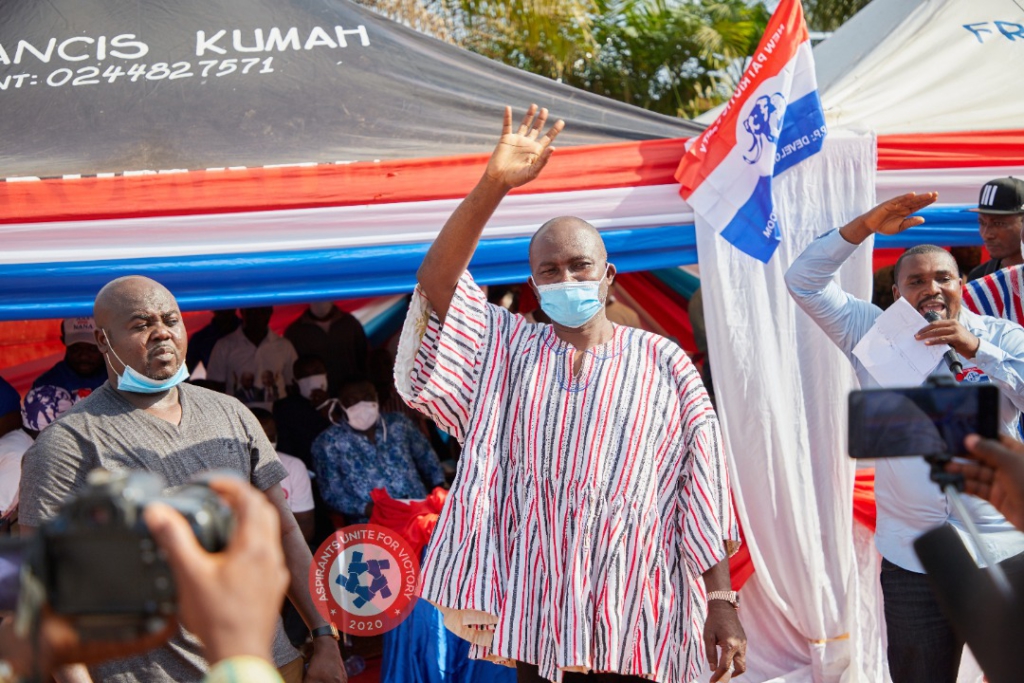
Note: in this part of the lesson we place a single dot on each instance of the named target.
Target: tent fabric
(277, 236)
(777, 379)
(996, 148)
(109, 86)
(661, 305)
(185, 193)
(856, 38)
(935, 66)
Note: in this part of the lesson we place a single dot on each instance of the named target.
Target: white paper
(890, 353)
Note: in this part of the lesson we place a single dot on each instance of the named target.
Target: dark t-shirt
(298, 424)
(10, 401)
(986, 268)
(61, 375)
(343, 348)
(105, 430)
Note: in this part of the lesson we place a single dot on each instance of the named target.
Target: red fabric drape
(413, 520)
(628, 164)
(951, 150)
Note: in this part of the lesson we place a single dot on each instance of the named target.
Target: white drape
(781, 387)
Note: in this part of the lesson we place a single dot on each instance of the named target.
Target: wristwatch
(731, 597)
(328, 630)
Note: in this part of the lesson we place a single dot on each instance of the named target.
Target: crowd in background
(324, 397)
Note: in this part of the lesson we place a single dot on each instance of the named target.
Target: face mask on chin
(362, 415)
(572, 304)
(137, 383)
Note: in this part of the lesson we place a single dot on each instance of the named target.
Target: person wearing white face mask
(303, 416)
(334, 335)
(370, 450)
(592, 460)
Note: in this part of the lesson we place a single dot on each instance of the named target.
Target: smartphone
(928, 420)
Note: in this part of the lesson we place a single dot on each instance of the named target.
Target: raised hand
(518, 159)
(893, 216)
(521, 154)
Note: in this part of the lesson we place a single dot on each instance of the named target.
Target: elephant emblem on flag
(764, 123)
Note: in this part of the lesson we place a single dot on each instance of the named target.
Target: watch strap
(328, 630)
(731, 597)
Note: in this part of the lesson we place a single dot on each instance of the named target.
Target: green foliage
(677, 57)
(828, 15)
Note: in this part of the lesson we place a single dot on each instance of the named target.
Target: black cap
(1002, 196)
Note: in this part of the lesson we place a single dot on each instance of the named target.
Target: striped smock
(586, 508)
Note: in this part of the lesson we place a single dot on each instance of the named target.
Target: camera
(96, 563)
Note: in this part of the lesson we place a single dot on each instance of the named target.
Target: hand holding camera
(229, 599)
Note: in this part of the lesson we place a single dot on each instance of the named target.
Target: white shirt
(239, 364)
(297, 489)
(12, 446)
(909, 503)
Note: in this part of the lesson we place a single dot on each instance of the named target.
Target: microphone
(952, 361)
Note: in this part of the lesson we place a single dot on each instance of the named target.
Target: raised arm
(518, 159)
(842, 316)
(889, 217)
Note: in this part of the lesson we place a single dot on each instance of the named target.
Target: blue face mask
(137, 383)
(572, 304)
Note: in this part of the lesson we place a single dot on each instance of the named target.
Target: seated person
(369, 450)
(298, 492)
(43, 405)
(337, 337)
(201, 343)
(82, 369)
(303, 417)
(296, 486)
(246, 391)
(252, 349)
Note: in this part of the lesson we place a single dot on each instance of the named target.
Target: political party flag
(773, 121)
(998, 294)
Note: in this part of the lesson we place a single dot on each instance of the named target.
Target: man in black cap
(1000, 221)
